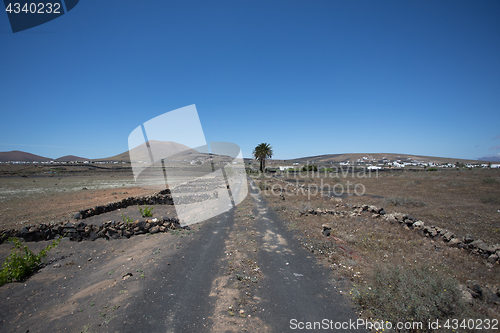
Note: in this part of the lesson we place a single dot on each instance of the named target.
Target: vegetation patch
(490, 181)
(146, 211)
(490, 199)
(404, 202)
(398, 294)
(22, 262)
(126, 219)
(310, 167)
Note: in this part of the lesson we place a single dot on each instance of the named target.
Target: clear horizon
(310, 78)
(273, 158)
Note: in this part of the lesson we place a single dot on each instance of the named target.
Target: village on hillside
(367, 162)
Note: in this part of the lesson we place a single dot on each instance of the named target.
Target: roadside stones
(479, 244)
(418, 225)
(454, 242)
(326, 230)
(493, 258)
(466, 294)
(447, 235)
(493, 248)
(489, 252)
(102, 234)
(111, 232)
(34, 229)
(430, 231)
(468, 239)
(93, 236)
(82, 231)
(476, 291)
(162, 197)
(24, 232)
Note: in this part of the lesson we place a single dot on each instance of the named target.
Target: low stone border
(162, 197)
(82, 231)
(468, 242)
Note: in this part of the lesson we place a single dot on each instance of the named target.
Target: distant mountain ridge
(141, 153)
(71, 158)
(171, 148)
(490, 158)
(21, 156)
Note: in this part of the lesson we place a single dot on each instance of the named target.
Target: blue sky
(308, 77)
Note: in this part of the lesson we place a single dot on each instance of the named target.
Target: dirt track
(239, 271)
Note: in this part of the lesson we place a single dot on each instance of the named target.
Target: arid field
(367, 253)
(32, 194)
(364, 249)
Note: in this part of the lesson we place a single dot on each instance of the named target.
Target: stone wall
(162, 197)
(78, 231)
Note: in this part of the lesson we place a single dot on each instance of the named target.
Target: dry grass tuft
(404, 202)
(411, 294)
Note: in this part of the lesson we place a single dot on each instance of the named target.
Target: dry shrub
(490, 180)
(404, 202)
(491, 199)
(410, 294)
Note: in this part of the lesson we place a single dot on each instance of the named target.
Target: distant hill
(21, 156)
(71, 158)
(492, 158)
(353, 157)
(160, 148)
(181, 152)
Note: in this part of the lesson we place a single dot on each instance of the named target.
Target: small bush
(405, 202)
(490, 181)
(310, 167)
(456, 184)
(146, 211)
(126, 219)
(431, 169)
(413, 294)
(22, 262)
(413, 183)
(491, 199)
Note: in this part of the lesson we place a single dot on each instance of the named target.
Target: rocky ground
(94, 285)
(240, 271)
(355, 240)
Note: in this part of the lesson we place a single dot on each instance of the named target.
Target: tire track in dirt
(237, 307)
(269, 279)
(295, 286)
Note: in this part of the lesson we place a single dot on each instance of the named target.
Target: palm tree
(262, 152)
